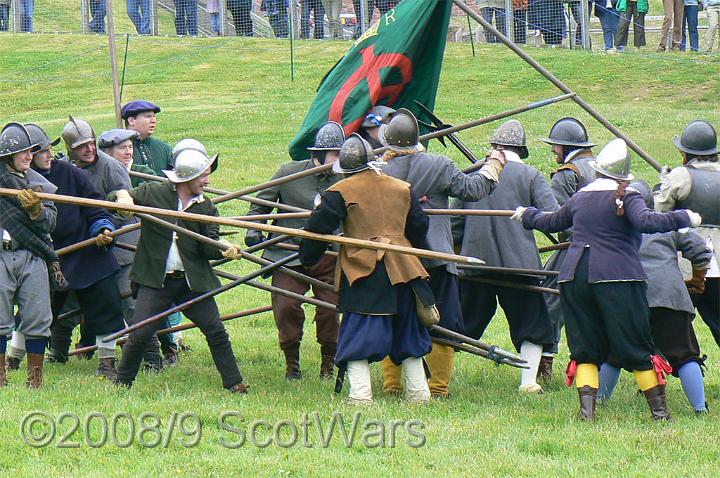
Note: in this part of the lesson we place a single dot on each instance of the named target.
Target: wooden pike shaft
(251, 225)
(438, 330)
(513, 285)
(476, 351)
(554, 247)
(179, 327)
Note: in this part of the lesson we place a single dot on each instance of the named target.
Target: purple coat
(612, 241)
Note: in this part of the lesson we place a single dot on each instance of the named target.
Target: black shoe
(13, 363)
(152, 367)
(106, 368)
(172, 359)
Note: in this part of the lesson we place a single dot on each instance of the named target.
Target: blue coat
(78, 223)
(612, 241)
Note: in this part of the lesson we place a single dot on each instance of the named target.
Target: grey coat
(500, 241)
(565, 182)
(434, 179)
(658, 255)
(299, 193)
(107, 175)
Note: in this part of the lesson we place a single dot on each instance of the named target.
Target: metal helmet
(355, 155)
(511, 133)
(185, 144)
(330, 137)
(190, 164)
(14, 139)
(641, 186)
(378, 116)
(39, 136)
(402, 133)
(614, 161)
(569, 132)
(77, 132)
(698, 138)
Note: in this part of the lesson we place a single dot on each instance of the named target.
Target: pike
(179, 327)
(559, 84)
(479, 352)
(245, 255)
(508, 270)
(453, 137)
(514, 285)
(206, 295)
(476, 343)
(251, 225)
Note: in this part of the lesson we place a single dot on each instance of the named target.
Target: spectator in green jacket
(631, 11)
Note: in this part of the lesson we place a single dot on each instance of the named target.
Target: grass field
(236, 96)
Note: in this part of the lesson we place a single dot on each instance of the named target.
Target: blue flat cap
(138, 106)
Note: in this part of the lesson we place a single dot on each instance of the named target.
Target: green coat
(642, 5)
(154, 153)
(140, 168)
(152, 251)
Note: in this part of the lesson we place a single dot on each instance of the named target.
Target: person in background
(490, 9)
(673, 10)
(213, 9)
(712, 10)
(520, 21)
(332, 10)
(318, 12)
(609, 20)
(98, 12)
(27, 10)
(240, 11)
(690, 26)
(276, 11)
(186, 17)
(631, 12)
(4, 15)
(140, 13)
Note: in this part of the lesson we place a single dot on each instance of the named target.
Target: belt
(175, 275)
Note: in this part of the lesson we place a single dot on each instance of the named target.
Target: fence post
(155, 21)
(84, 16)
(585, 24)
(223, 23)
(16, 16)
(363, 16)
(509, 23)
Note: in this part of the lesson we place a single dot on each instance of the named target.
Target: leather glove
(494, 164)
(102, 239)
(232, 251)
(696, 285)
(123, 197)
(695, 218)
(518, 214)
(253, 238)
(31, 202)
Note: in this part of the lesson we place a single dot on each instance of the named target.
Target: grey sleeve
(564, 184)
(541, 195)
(693, 248)
(48, 218)
(118, 178)
(467, 187)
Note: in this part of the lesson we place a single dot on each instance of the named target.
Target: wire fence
(586, 24)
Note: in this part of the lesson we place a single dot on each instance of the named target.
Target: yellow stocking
(646, 379)
(587, 374)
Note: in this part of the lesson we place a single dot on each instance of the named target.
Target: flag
(396, 61)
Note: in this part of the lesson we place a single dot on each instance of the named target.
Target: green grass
(236, 96)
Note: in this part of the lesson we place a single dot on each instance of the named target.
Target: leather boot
(292, 362)
(440, 361)
(106, 368)
(3, 372)
(239, 388)
(12, 362)
(35, 370)
(545, 368)
(327, 361)
(658, 403)
(392, 377)
(587, 395)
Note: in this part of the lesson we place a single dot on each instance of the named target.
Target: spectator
(98, 12)
(546, 17)
(520, 11)
(358, 16)
(186, 17)
(213, 9)
(690, 20)
(276, 11)
(609, 19)
(577, 13)
(488, 9)
(712, 9)
(631, 11)
(240, 11)
(27, 10)
(332, 10)
(673, 10)
(318, 16)
(140, 13)
(4, 15)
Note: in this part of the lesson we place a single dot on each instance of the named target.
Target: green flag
(396, 61)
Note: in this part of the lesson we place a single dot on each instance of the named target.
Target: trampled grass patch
(236, 96)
